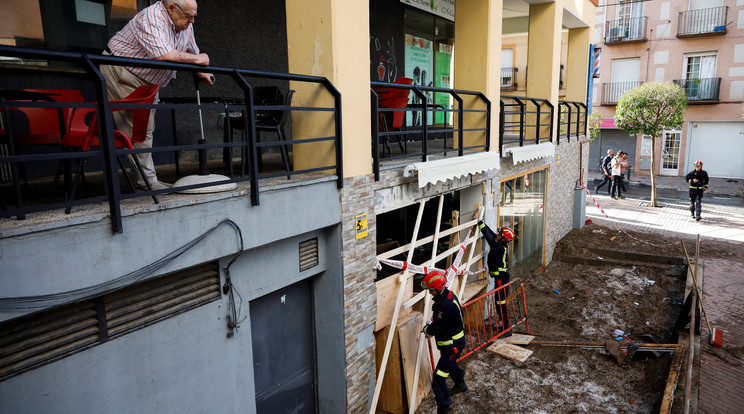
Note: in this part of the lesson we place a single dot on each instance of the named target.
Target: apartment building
(263, 297)
(695, 44)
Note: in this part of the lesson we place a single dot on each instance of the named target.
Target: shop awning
(608, 123)
(431, 172)
(531, 152)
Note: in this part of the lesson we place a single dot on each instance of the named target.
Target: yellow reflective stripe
(459, 335)
(442, 373)
(480, 226)
(503, 269)
(501, 302)
(443, 343)
(495, 273)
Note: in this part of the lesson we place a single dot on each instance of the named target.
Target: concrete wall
(185, 363)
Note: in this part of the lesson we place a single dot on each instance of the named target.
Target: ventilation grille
(34, 340)
(308, 254)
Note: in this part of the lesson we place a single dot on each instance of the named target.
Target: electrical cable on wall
(233, 318)
(42, 301)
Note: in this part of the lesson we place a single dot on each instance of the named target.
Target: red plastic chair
(46, 126)
(86, 138)
(397, 99)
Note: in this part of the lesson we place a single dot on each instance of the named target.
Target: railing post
(250, 129)
(502, 118)
(375, 103)
(521, 122)
(339, 133)
(460, 126)
(108, 146)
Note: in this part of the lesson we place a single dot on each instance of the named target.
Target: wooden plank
(388, 344)
(409, 350)
(421, 242)
(509, 351)
(517, 339)
(413, 386)
(392, 397)
(387, 289)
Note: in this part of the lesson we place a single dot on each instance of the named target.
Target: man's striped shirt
(151, 33)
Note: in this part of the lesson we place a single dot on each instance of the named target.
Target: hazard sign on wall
(361, 226)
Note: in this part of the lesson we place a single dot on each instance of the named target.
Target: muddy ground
(592, 301)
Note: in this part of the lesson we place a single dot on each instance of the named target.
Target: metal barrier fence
(483, 316)
(471, 112)
(249, 148)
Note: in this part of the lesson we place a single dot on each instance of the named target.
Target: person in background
(163, 31)
(447, 328)
(606, 173)
(617, 177)
(625, 170)
(698, 179)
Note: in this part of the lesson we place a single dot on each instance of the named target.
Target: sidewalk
(716, 186)
(721, 370)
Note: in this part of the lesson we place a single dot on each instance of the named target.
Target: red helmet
(507, 233)
(698, 162)
(435, 279)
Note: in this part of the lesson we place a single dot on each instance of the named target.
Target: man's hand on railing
(204, 77)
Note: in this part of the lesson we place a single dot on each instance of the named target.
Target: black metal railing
(611, 92)
(427, 127)
(572, 120)
(509, 78)
(525, 120)
(702, 21)
(706, 89)
(626, 30)
(249, 148)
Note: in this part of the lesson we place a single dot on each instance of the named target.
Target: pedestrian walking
(698, 179)
(617, 176)
(604, 167)
(625, 170)
(447, 329)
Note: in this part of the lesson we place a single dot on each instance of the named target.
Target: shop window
(429, 51)
(522, 207)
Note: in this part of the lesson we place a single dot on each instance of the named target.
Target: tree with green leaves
(649, 109)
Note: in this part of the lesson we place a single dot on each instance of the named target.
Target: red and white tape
(622, 230)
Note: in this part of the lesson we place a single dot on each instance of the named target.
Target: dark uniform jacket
(702, 177)
(497, 255)
(446, 325)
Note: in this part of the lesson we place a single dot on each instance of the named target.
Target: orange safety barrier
(482, 316)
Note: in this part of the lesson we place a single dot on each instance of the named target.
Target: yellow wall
(330, 38)
(478, 56)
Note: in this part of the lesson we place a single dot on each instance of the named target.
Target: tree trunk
(653, 171)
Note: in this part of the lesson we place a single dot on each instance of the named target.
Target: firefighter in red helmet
(497, 266)
(447, 329)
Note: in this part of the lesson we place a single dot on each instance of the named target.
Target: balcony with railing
(525, 121)
(611, 92)
(700, 90)
(626, 30)
(572, 118)
(509, 79)
(702, 22)
(427, 123)
(243, 143)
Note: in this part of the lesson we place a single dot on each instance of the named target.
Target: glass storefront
(522, 207)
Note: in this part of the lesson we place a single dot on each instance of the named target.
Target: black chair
(273, 120)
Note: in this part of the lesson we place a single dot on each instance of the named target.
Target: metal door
(670, 153)
(284, 350)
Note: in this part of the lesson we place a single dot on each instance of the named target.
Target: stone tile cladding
(360, 306)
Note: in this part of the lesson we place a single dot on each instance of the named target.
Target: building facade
(263, 298)
(694, 44)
